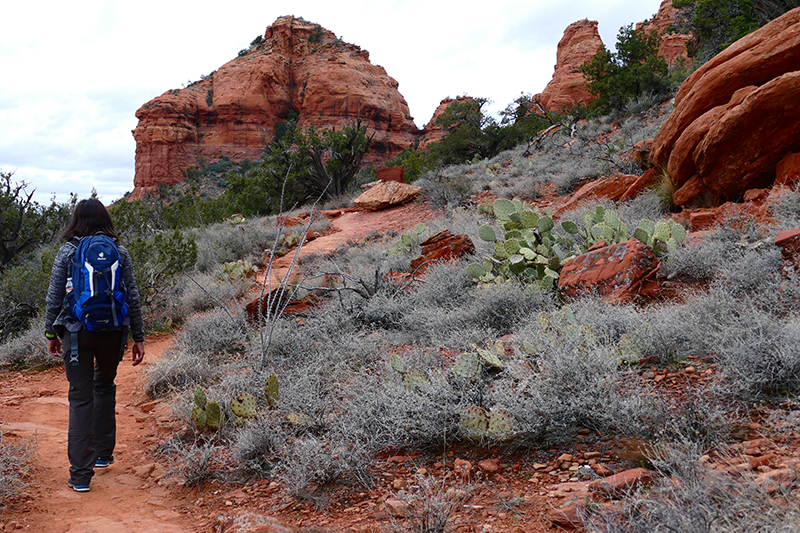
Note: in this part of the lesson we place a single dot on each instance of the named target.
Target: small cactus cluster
(412, 377)
(236, 270)
(603, 224)
(290, 239)
(477, 423)
(408, 241)
(205, 414)
(563, 327)
(559, 326)
(530, 251)
(470, 365)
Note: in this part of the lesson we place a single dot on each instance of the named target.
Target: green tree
(715, 24)
(633, 70)
(414, 162)
(521, 121)
(335, 158)
(298, 166)
(24, 223)
(466, 138)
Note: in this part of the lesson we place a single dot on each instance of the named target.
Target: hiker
(93, 345)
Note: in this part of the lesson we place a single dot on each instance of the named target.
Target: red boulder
(622, 272)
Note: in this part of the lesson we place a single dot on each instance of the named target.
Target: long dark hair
(89, 217)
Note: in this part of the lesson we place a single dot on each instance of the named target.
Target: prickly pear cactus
(271, 388)
(489, 355)
(397, 364)
(243, 405)
(200, 397)
(298, 419)
(500, 425)
(414, 379)
(467, 366)
(527, 250)
(213, 416)
(473, 422)
(199, 417)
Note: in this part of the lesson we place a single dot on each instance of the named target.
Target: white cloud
(72, 75)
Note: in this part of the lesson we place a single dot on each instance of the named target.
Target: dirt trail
(355, 225)
(34, 405)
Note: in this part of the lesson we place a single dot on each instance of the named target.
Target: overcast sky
(73, 74)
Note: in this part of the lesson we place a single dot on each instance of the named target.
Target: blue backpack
(98, 299)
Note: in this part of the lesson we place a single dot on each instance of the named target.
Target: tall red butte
(298, 68)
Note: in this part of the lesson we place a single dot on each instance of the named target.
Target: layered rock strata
(300, 70)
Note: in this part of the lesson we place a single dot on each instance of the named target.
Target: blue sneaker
(77, 488)
(103, 462)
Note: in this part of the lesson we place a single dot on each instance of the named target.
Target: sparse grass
(28, 349)
(15, 466)
(431, 506)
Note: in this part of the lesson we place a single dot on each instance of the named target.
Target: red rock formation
(673, 45)
(610, 188)
(623, 272)
(299, 68)
(432, 131)
(736, 117)
(580, 43)
(444, 246)
(387, 194)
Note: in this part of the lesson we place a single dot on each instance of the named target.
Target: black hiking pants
(92, 399)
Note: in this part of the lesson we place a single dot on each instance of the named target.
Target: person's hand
(54, 347)
(138, 353)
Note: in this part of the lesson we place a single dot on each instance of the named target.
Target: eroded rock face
(440, 248)
(623, 272)
(735, 117)
(298, 69)
(580, 43)
(673, 45)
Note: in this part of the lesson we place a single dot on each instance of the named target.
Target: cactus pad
(414, 378)
(467, 366)
(271, 388)
(500, 425)
(199, 417)
(503, 208)
(298, 419)
(662, 231)
(474, 422)
(200, 397)
(397, 364)
(213, 416)
(490, 359)
(244, 405)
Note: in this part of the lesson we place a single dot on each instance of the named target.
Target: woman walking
(91, 353)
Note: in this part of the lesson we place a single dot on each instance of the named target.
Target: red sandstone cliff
(298, 67)
(580, 43)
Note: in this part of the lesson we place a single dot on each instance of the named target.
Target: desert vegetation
(481, 353)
